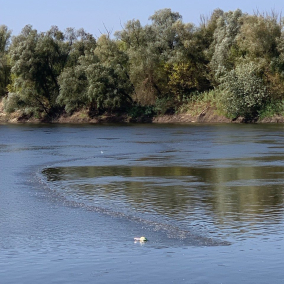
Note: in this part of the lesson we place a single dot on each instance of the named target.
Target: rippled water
(229, 202)
(208, 197)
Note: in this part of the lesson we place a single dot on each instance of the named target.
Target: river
(209, 199)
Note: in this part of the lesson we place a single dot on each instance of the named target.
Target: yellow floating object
(141, 239)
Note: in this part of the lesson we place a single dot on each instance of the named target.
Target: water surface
(208, 197)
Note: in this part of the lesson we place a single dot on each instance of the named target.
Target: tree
(133, 35)
(73, 88)
(257, 37)
(206, 30)
(244, 91)
(39, 59)
(187, 67)
(222, 61)
(143, 60)
(165, 35)
(5, 68)
(156, 66)
(151, 50)
(73, 79)
(105, 89)
(99, 80)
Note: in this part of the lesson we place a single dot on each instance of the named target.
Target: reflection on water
(184, 187)
(225, 201)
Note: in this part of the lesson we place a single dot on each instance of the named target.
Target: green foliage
(39, 59)
(184, 79)
(5, 68)
(165, 36)
(73, 88)
(105, 89)
(73, 79)
(37, 62)
(258, 36)
(227, 29)
(13, 102)
(99, 80)
(206, 30)
(232, 60)
(138, 111)
(166, 105)
(272, 108)
(244, 91)
(161, 54)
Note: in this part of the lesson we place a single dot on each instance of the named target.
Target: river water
(209, 198)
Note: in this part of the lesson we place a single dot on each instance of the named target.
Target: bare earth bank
(207, 116)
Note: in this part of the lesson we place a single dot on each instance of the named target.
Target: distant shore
(209, 115)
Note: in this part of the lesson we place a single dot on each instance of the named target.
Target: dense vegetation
(233, 59)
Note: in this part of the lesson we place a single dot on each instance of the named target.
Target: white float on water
(141, 239)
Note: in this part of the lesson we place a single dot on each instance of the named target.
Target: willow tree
(259, 41)
(252, 71)
(5, 67)
(99, 81)
(73, 79)
(163, 58)
(136, 41)
(38, 59)
(224, 45)
(187, 66)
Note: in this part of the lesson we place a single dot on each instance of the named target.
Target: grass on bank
(195, 105)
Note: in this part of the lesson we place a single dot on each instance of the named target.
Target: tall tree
(38, 60)
(149, 48)
(73, 79)
(228, 26)
(99, 81)
(5, 67)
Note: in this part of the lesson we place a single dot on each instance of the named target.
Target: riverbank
(207, 115)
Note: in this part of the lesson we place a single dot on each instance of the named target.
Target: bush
(139, 111)
(12, 102)
(274, 107)
(244, 92)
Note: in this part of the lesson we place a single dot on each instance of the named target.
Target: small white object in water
(102, 152)
(141, 239)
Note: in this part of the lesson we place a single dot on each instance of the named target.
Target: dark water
(208, 197)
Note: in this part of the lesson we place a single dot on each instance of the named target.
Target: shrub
(138, 111)
(273, 107)
(12, 102)
(244, 92)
